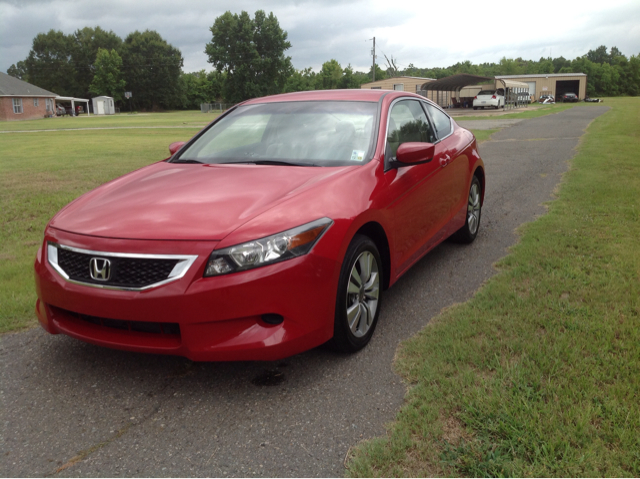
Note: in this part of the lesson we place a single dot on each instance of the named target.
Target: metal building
(556, 84)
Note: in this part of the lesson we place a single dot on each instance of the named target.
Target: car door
(452, 186)
(414, 208)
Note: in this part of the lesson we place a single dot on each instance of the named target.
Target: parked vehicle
(570, 98)
(546, 98)
(592, 100)
(488, 98)
(272, 231)
(60, 110)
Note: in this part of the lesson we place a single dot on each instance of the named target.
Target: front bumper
(219, 318)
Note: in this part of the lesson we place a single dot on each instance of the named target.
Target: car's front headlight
(272, 249)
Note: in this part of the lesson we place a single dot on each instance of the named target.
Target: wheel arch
(376, 233)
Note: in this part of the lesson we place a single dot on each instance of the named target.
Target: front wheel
(358, 296)
(469, 231)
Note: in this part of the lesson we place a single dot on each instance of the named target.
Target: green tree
(251, 54)
(380, 74)
(18, 70)
(632, 76)
(508, 66)
(546, 66)
(86, 44)
(64, 64)
(599, 55)
(49, 63)
(200, 87)
(352, 79)
(152, 69)
(329, 76)
(108, 79)
(301, 80)
(560, 63)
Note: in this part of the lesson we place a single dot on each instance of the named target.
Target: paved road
(72, 409)
(488, 124)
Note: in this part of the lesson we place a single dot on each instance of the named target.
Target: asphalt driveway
(73, 409)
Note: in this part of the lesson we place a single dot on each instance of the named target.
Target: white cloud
(421, 33)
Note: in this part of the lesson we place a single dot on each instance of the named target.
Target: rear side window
(440, 120)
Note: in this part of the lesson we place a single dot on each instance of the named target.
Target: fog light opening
(272, 318)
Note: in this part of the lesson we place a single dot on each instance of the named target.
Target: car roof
(327, 95)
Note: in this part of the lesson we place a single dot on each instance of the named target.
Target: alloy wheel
(473, 208)
(362, 294)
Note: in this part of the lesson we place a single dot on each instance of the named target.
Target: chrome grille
(126, 271)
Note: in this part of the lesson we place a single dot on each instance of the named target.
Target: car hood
(186, 202)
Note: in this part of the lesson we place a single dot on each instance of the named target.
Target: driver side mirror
(413, 153)
(175, 146)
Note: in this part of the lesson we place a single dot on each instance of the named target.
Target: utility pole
(373, 52)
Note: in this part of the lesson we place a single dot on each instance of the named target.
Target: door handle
(444, 160)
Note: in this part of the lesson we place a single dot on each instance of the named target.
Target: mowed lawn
(40, 172)
(539, 373)
(121, 120)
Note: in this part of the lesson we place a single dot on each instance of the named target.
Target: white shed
(103, 105)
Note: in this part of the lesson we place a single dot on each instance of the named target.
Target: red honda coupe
(272, 231)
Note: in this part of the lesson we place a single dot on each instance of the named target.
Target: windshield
(327, 133)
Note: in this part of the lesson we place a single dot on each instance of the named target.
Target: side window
(407, 123)
(441, 121)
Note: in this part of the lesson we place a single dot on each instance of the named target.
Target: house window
(398, 86)
(49, 104)
(17, 105)
(36, 102)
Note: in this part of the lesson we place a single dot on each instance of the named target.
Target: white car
(486, 98)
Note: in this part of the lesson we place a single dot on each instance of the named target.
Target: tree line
(249, 60)
(92, 62)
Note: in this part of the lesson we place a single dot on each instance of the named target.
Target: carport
(73, 102)
(514, 92)
(447, 89)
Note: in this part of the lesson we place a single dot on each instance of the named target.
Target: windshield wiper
(186, 160)
(271, 162)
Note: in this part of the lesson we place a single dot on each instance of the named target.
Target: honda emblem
(100, 269)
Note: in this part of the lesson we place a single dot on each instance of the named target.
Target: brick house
(20, 100)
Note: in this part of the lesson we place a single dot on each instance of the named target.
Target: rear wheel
(475, 107)
(469, 231)
(358, 296)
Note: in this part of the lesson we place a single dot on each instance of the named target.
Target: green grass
(482, 135)
(539, 373)
(40, 172)
(166, 119)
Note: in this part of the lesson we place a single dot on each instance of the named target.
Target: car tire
(469, 231)
(358, 296)
(475, 107)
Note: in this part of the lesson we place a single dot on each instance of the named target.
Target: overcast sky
(426, 33)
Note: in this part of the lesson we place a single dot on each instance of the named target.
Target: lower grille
(136, 326)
